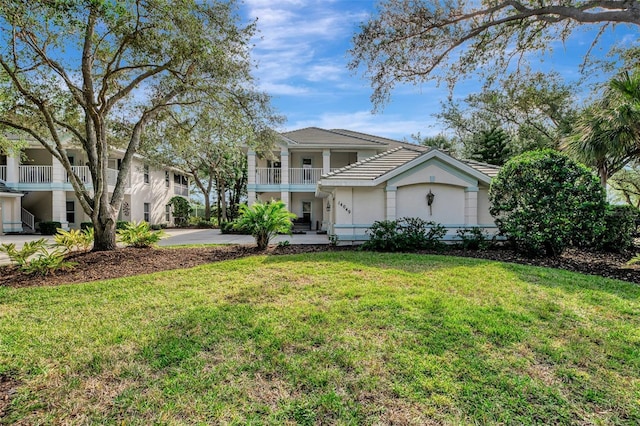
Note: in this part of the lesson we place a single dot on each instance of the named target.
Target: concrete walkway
(176, 237)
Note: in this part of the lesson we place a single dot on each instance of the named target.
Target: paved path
(175, 237)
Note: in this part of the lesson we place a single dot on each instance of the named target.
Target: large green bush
(620, 225)
(543, 202)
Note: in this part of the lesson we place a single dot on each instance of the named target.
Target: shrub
(74, 239)
(265, 220)
(47, 262)
(405, 234)
(22, 256)
(543, 201)
(49, 228)
(122, 224)
(620, 225)
(473, 238)
(181, 210)
(139, 235)
(86, 225)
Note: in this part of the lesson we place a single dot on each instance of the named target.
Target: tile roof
(391, 143)
(317, 136)
(376, 166)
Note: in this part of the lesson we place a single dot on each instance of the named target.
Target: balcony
(43, 174)
(297, 176)
(181, 190)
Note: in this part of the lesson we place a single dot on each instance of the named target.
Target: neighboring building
(35, 189)
(342, 181)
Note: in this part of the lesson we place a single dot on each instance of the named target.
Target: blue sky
(301, 54)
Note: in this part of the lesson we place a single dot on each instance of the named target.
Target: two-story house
(342, 181)
(34, 188)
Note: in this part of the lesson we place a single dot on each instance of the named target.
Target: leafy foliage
(473, 238)
(415, 41)
(405, 234)
(49, 228)
(489, 146)
(181, 210)
(35, 258)
(74, 239)
(619, 228)
(543, 202)
(265, 220)
(139, 235)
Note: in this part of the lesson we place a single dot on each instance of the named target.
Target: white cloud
(392, 126)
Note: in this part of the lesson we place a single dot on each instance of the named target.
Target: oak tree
(94, 73)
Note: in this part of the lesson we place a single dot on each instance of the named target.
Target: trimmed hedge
(620, 225)
(49, 228)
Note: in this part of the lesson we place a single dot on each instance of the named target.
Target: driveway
(176, 237)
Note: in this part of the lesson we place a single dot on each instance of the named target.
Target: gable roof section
(382, 167)
(391, 143)
(314, 136)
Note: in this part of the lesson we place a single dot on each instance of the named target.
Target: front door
(306, 171)
(306, 211)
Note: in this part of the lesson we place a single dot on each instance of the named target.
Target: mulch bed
(125, 262)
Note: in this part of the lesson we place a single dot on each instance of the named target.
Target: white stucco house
(342, 181)
(35, 189)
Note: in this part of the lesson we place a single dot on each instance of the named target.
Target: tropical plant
(543, 201)
(74, 239)
(47, 262)
(265, 220)
(29, 248)
(139, 235)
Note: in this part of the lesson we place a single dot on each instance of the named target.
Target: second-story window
(146, 173)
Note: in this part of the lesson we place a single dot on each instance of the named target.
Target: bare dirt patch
(125, 262)
(7, 389)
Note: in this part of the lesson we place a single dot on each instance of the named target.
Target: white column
(284, 164)
(59, 208)
(391, 192)
(471, 206)
(57, 171)
(326, 161)
(251, 177)
(13, 171)
(1, 218)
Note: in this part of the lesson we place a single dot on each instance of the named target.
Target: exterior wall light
(430, 197)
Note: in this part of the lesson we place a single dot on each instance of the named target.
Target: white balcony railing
(304, 176)
(82, 172)
(3, 173)
(35, 174)
(273, 176)
(181, 190)
(268, 176)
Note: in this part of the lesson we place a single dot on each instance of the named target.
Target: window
(167, 179)
(146, 173)
(147, 214)
(71, 211)
(167, 213)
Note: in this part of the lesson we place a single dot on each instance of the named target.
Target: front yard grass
(327, 338)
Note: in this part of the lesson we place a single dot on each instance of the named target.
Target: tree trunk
(222, 196)
(104, 238)
(207, 208)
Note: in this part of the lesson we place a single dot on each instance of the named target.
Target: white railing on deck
(3, 173)
(268, 176)
(29, 219)
(181, 190)
(304, 176)
(35, 174)
(82, 172)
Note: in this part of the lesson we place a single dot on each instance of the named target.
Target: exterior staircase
(28, 222)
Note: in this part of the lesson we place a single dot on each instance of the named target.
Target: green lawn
(327, 338)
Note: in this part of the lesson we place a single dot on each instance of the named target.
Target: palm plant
(265, 220)
(607, 134)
